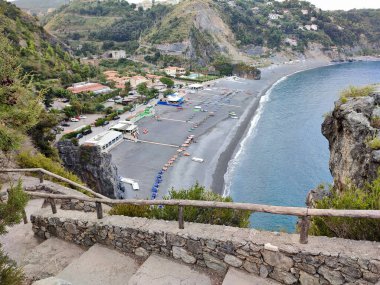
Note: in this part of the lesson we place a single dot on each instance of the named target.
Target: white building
(128, 128)
(115, 54)
(174, 71)
(106, 140)
(291, 42)
(305, 12)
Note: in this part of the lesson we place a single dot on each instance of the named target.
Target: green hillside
(40, 55)
(206, 29)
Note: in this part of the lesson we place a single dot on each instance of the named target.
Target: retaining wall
(274, 255)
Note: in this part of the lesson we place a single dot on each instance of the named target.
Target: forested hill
(39, 54)
(202, 30)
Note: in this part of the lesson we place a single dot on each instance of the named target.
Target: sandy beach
(217, 135)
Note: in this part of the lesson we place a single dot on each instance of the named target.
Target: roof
(87, 87)
(138, 77)
(124, 126)
(103, 138)
(172, 67)
(195, 85)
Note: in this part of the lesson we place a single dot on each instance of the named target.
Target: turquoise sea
(285, 155)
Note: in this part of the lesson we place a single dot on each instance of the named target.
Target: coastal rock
(232, 260)
(348, 129)
(283, 277)
(93, 167)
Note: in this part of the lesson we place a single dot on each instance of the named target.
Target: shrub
(349, 228)
(375, 122)
(352, 92)
(28, 160)
(374, 143)
(11, 214)
(214, 216)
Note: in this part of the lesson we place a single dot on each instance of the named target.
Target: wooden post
(41, 175)
(24, 217)
(99, 210)
(304, 229)
(53, 206)
(180, 218)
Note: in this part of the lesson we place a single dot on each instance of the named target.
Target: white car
(74, 120)
(234, 117)
(198, 107)
(110, 100)
(82, 117)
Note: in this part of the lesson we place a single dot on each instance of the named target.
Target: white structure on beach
(106, 140)
(128, 128)
(196, 86)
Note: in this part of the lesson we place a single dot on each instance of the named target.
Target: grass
(354, 92)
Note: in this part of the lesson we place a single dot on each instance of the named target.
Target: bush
(374, 143)
(228, 217)
(349, 228)
(28, 160)
(74, 134)
(352, 92)
(11, 214)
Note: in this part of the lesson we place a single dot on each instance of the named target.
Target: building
(196, 86)
(137, 79)
(115, 54)
(88, 87)
(291, 42)
(174, 71)
(304, 12)
(311, 27)
(127, 128)
(106, 140)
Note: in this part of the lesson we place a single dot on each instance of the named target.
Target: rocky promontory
(92, 166)
(350, 128)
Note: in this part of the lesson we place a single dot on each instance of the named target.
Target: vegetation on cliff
(215, 216)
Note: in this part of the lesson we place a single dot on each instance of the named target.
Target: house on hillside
(137, 79)
(291, 42)
(304, 12)
(174, 71)
(273, 16)
(89, 87)
(115, 54)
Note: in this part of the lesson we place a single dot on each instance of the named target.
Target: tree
(167, 81)
(142, 88)
(11, 213)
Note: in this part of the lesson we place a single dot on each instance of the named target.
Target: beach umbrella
(154, 195)
(155, 189)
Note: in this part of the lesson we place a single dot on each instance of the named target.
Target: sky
(345, 4)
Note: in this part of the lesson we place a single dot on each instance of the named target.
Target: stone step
(234, 277)
(49, 258)
(158, 270)
(20, 239)
(100, 265)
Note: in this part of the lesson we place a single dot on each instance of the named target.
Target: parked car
(116, 118)
(65, 100)
(74, 120)
(64, 124)
(110, 100)
(82, 117)
(105, 123)
(79, 136)
(86, 132)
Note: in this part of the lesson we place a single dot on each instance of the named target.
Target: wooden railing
(41, 172)
(303, 213)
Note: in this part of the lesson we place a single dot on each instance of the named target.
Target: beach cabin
(127, 128)
(106, 140)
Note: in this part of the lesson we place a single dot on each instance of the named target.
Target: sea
(284, 154)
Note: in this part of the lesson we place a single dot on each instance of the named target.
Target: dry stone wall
(274, 255)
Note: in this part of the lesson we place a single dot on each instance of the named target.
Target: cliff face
(348, 129)
(93, 167)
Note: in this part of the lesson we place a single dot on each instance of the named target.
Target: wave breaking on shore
(250, 134)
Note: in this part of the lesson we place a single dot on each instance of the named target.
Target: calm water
(286, 155)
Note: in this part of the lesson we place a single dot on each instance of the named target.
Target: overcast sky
(345, 4)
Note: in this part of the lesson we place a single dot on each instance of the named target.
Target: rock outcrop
(92, 166)
(349, 129)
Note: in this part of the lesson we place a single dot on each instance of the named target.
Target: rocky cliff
(92, 166)
(350, 128)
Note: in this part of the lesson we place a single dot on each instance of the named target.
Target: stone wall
(274, 255)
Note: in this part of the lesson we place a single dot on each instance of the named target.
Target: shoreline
(228, 154)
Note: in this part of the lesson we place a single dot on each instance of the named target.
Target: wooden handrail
(278, 210)
(302, 212)
(43, 171)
